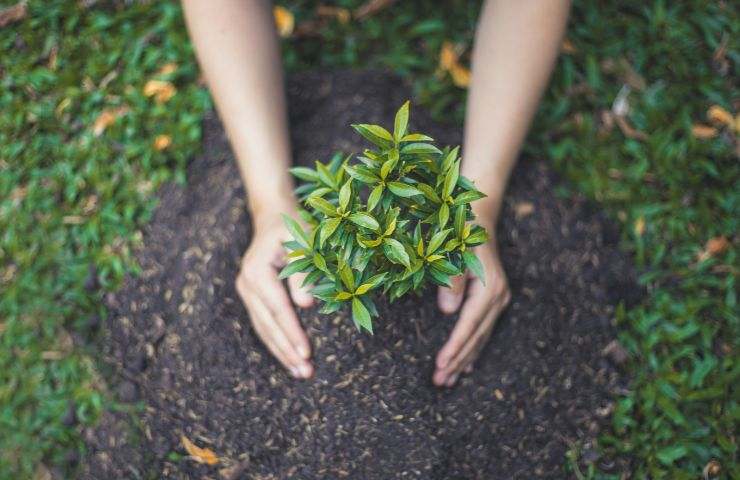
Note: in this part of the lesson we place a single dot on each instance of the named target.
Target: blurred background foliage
(101, 102)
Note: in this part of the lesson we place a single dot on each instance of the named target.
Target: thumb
(450, 299)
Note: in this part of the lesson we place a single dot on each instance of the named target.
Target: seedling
(396, 219)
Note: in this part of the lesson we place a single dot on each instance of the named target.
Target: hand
(482, 307)
(262, 292)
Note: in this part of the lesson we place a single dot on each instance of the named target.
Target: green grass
(69, 198)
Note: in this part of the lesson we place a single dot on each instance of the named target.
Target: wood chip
(200, 455)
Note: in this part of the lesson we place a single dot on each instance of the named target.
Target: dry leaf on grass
(449, 61)
(717, 114)
(106, 118)
(714, 246)
(371, 7)
(14, 13)
(161, 142)
(639, 227)
(167, 68)
(567, 47)
(284, 21)
(161, 90)
(703, 132)
(200, 455)
(341, 14)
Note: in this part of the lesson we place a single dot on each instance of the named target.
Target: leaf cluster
(395, 219)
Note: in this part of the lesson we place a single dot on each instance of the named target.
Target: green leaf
(325, 175)
(428, 192)
(296, 232)
(295, 267)
(420, 149)
(449, 159)
(478, 237)
(401, 122)
(445, 266)
(451, 179)
(328, 228)
(668, 455)
(417, 137)
(376, 134)
(320, 262)
(437, 240)
(361, 316)
(444, 215)
(439, 277)
(323, 206)
(403, 189)
(342, 296)
(363, 174)
(388, 165)
(374, 197)
(459, 220)
(473, 263)
(469, 196)
(395, 252)
(344, 195)
(348, 278)
(364, 220)
(305, 173)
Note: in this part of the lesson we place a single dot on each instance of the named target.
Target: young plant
(395, 220)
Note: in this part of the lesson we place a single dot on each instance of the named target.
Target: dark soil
(180, 342)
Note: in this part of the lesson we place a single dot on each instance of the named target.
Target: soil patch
(180, 341)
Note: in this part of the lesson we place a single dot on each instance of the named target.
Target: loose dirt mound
(180, 340)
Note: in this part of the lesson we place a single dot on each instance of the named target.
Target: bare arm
(237, 47)
(516, 45)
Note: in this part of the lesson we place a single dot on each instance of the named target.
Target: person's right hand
(269, 306)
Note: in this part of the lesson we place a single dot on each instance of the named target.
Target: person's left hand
(482, 307)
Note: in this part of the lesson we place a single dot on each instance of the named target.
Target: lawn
(100, 104)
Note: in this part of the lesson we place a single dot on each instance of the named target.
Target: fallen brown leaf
(449, 61)
(167, 68)
(567, 47)
(284, 21)
(523, 209)
(161, 90)
(14, 13)
(371, 7)
(719, 115)
(639, 227)
(200, 455)
(703, 132)
(106, 118)
(161, 142)
(341, 14)
(711, 470)
(714, 246)
(628, 130)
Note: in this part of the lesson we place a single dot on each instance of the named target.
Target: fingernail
(305, 370)
(302, 352)
(294, 371)
(442, 362)
(451, 381)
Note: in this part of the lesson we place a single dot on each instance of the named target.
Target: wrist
(267, 210)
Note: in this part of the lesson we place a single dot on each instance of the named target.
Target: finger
(300, 295)
(275, 298)
(450, 299)
(273, 338)
(473, 311)
(472, 349)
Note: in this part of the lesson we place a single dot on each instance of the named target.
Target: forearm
(238, 50)
(514, 53)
